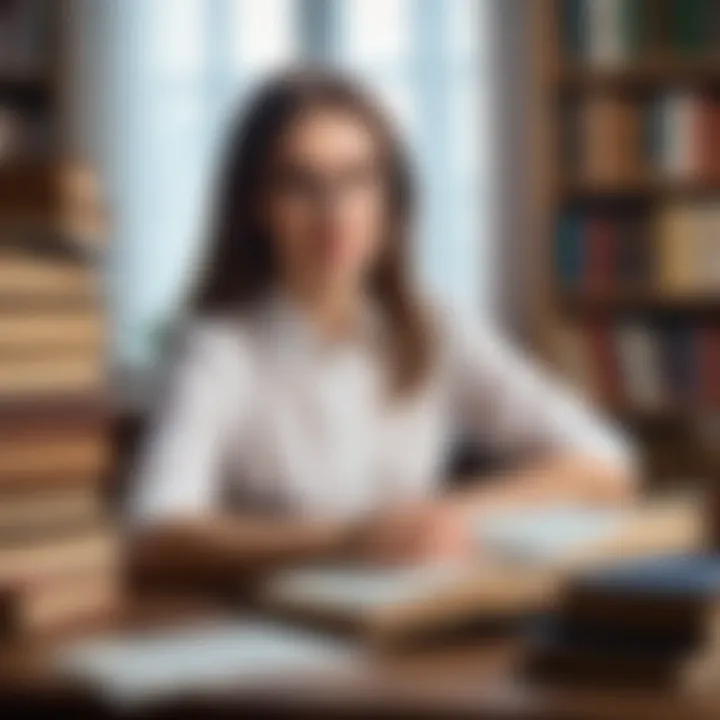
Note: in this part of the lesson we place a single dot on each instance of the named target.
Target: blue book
(573, 25)
(570, 250)
(682, 576)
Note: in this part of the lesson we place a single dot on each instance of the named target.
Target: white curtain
(157, 79)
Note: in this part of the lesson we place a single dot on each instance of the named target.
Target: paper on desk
(548, 534)
(364, 588)
(134, 669)
(532, 536)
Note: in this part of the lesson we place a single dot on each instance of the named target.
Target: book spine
(573, 28)
(605, 33)
(639, 363)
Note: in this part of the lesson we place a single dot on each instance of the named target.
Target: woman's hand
(417, 533)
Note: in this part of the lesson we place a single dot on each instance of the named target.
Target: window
(177, 69)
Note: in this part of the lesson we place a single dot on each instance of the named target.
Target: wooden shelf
(640, 186)
(560, 85)
(641, 75)
(663, 414)
(650, 415)
(638, 302)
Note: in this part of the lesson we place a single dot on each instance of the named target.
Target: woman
(316, 396)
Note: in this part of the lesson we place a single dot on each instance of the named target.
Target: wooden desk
(472, 679)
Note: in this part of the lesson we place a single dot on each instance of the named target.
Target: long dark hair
(240, 268)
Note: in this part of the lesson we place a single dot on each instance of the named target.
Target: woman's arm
(234, 547)
(560, 478)
(560, 449)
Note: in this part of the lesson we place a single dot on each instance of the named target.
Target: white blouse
(263, 414)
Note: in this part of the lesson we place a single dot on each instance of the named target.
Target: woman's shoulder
(467, 337)
(215, 341)
(454, 326)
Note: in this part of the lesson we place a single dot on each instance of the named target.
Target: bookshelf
(624, 216)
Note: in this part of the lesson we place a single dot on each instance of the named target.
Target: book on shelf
(695, 26)
(25, 37)
(619, 139)
(604, 361)
(644, 365)
(681, 135)
(609, 140)
(709, 365)
(573, 356)
(612, 34)
(640, 374)
(673, 250)
(26, 134)
(605, 34)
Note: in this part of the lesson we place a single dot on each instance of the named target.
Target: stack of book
(608, 33)
(674, 250)
(644, 364)
(650, 624)
(58, 553)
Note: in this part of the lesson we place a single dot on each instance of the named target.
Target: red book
(705, 141)
(601, 245)
(605, 366)
(715, 140)
(709, 368)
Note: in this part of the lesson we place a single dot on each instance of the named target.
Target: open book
(522, 558)
(132, 670)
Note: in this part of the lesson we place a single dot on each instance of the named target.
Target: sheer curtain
(165, 74)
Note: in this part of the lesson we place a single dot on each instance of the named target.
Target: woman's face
(325, 205)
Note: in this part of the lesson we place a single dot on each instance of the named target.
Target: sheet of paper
(346, 588)
(534, 536)
(547, 534)
(527, 537)
(134, 669)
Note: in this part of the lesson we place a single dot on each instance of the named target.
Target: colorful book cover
(600, 248)
(679, 356)
(573, 25)
(570, 251)
(692, 26)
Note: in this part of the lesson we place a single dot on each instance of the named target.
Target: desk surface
(475, 678)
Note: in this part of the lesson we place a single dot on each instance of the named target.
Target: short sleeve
(180, 468)
(514, 407)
